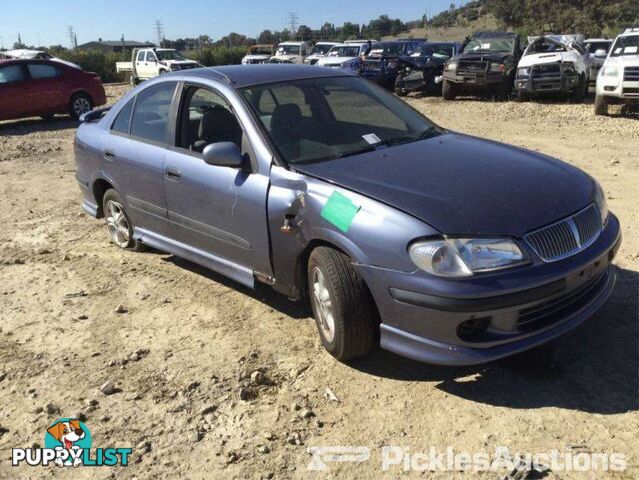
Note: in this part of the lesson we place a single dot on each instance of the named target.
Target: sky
(46, 22)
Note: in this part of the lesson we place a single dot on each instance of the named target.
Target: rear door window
(151, 114)
(42, 70)
(11, 74)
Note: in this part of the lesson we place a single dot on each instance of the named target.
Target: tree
(266, 37)
(304, 32)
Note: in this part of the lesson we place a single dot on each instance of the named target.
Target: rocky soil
(206, 379)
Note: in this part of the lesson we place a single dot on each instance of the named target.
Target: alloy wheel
(117, 224)
(323, 304)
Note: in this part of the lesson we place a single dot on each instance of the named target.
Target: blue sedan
(435, 245)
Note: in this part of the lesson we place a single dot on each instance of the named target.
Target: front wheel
(118, 221)
(448, 90)
(581, 90)
(342, 305)
(79, 104)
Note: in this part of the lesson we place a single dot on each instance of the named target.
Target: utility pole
(292, 22)
(71, 34)
(19, 41)
(159, 32)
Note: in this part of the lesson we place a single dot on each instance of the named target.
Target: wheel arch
(99, 187)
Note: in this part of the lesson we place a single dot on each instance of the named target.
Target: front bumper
(479, 80)
(471, 321)
(560, 81)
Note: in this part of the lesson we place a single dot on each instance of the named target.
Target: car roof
(240, 76)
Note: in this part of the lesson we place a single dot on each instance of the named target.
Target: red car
(42, 88)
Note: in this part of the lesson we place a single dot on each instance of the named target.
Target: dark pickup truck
(487, 65)
(421, 71)
(382, 62)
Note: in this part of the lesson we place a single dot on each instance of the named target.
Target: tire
(80, 103)
(400, 92)
(355, 323)
(522, 96)
(601, 105)
(125, 241)
(579, 95)
(448, 90)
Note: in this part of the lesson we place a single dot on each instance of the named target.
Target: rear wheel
(118, 221)
(601, 105)
(448, 90)
(343, 307)
(79, 104)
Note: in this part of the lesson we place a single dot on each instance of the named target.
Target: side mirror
(223, 154)
(601, 53)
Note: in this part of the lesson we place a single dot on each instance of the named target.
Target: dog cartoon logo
(68, 434)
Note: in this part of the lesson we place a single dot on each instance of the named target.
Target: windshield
(349, 51)
(168, 55)
(490, 45)
(261, 50)
(322, 119)
(321, 49)
(594, 46)
(544, 45)
(387, 49)
(426, 50)
(288, 50)
(625, 46)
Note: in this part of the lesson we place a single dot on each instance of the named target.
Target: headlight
(497, 67)
(462, 257)
(451, 66)
(609, 71)
(602, 204)
(523, 72)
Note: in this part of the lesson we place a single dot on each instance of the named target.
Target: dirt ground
(183, 348)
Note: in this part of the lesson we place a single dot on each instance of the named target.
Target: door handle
(173, 174)
(110, 156)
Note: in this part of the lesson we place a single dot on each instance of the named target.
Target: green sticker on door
(340, 211)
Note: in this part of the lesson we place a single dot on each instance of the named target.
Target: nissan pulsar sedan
(439, 246)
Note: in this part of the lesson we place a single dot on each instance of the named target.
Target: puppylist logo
(67, 442)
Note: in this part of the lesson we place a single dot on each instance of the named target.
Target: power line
(292, 22)
(159, 33)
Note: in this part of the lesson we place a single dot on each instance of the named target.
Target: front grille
(568, 236)
(467, 67)
(631, 74)
(631, 91)
(549, 70)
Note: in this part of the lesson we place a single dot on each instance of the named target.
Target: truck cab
(147, 63)
(618, 79)
(290, 52)
(486, 65)
(554, 64)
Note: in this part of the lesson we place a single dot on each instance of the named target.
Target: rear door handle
(173, 174)
(110, 156)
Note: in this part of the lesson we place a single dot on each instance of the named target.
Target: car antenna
(225, 77)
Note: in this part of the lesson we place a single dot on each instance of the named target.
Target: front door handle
(110, 156)
(173, 174)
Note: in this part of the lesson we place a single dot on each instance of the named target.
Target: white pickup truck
(150, 62)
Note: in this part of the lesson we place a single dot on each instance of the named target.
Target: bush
(103, 63)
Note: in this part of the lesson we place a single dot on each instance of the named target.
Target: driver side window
(206, 118)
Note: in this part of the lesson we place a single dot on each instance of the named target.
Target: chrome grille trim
(567, 236)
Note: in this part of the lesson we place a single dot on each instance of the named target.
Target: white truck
(290, 52)
(618, 79)
(345, 56)
(150, 62)
(554, 64)
(319, 51)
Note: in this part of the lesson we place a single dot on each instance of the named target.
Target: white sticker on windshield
(371, 138)
(630, 50)
(485, 46)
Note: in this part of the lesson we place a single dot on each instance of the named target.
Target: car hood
(335, 60)
(545, 58)
(491, 56)
(178, 62)
(284, 58)
(464, 185)
(623, 61)
(257, 57)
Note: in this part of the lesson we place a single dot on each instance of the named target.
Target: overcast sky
(46, 22)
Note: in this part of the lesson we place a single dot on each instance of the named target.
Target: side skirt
(220, 265)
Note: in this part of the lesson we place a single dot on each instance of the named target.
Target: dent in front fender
(378, 236)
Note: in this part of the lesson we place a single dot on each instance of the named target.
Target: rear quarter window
(122, 122)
